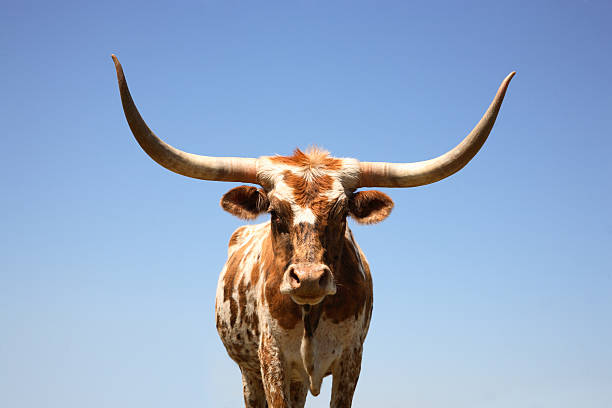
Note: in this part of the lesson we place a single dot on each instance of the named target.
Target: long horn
(382, 174)
(190, 165)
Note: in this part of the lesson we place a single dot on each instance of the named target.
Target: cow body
(283, 344)
(285, 335)
(264, 332)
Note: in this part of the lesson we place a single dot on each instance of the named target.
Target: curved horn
(190, 165)
(382, 174)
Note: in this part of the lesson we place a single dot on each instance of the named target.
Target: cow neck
(310, 317)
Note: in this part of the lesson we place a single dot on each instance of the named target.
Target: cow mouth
(307, 300)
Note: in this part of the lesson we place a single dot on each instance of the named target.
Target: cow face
(308, 196)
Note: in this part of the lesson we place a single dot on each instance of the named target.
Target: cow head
(308, 196)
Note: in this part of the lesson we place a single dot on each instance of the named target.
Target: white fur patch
(303, 215)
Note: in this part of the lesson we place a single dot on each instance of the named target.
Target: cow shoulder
(237, 238)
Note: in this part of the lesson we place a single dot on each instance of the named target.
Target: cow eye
(274, 215)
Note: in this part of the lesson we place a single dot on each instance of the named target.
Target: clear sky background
(493, 288)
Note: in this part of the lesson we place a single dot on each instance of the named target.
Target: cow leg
(298, 392)
(273, 373)
(346, 374)
(252, 387)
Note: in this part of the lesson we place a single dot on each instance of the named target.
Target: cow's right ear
(245, 202)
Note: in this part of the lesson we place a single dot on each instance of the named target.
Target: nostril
(324, 280)
(293, 276)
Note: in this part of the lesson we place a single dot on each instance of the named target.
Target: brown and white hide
(284, 348)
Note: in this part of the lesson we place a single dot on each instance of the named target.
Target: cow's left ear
(370, 207)
(245, 202)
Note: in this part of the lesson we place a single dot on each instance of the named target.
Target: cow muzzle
(308, 283)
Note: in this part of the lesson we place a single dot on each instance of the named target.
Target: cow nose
(307, 280)
(306, 276)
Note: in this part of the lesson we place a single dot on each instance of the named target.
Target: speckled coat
(283, 348)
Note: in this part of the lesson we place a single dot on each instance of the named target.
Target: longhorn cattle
(294, 299)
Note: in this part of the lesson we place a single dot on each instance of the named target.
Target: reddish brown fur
(228, 284)
(286, 312)
(306, 191)
(370, 207)
(245, 202)
(236, 236)
(354, 294)
(314, 157)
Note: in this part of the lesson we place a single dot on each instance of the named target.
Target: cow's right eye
(273, 215)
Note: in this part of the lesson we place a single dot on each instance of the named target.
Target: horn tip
(117, 66)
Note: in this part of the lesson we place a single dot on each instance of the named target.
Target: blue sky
(493, 288)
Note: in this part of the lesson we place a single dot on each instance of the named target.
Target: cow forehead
(304, 179)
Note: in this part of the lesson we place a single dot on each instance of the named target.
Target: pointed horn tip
(510, 76)
(117, 65)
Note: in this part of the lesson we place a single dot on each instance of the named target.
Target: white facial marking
(303, 215)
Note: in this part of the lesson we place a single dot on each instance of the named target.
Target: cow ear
(245, 202)
(370, 207)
